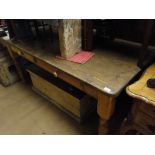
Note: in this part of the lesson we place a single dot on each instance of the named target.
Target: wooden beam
(69, 36)
(147, 35)
(87, 34)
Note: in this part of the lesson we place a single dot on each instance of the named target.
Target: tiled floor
(22, 111)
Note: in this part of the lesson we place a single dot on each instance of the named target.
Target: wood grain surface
(108, 71)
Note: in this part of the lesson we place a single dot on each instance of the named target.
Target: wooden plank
(69, 36)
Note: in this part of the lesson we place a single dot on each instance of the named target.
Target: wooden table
(103, 77)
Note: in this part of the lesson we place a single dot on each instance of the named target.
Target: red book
(81, 57)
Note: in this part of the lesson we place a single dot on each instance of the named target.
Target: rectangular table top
(108, 71)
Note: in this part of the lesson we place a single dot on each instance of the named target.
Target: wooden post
(87, 34)
(147, 35)
(69, 36)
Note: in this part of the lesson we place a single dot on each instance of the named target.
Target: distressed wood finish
(143, 110)
(69, 36)
(103, 77)
(105, 108)
(93, 73)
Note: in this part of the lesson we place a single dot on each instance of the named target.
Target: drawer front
(58, 73)
(145, 121)
(68, 78)
(61, 97)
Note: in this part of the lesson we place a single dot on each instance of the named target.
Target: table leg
(105, 108)
(19, 72)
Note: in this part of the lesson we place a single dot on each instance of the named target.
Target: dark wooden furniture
(136, 31)
(141, 118)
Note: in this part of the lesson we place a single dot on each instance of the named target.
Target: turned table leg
(105, 108)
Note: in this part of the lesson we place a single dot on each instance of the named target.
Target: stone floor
(22, 111)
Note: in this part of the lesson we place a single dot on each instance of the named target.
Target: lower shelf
(78, 105)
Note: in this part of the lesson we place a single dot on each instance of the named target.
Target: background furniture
(131, 32)
(141, 118)
(8, 73)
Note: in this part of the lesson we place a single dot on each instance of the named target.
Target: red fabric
(81, 57)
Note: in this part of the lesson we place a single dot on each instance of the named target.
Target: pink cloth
(81, 57)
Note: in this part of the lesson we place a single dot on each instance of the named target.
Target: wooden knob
(55, 74)
(21, 53)
(35, 60)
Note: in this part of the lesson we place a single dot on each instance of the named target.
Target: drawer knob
(55, 74)
(35, 60)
